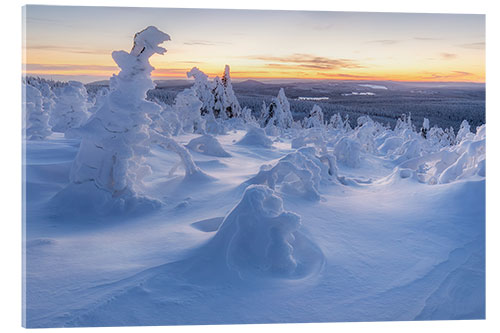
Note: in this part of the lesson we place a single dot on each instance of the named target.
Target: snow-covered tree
(99, 100)
(232, 107)
(48, 96)
(315, 118)
(37, 118)
(70, 110)
(116, 139)
(464, 132)
(168, 122)
(188, 109)
(337, 123)
(277, 113)
(217, 97)
(203, 90)
(438, 137)
(248, 118)
(425, 128)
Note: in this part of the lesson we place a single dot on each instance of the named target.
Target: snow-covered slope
(385, 247)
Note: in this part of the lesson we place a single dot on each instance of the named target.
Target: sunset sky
(76, 43)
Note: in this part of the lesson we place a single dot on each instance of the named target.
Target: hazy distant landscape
(445, 104)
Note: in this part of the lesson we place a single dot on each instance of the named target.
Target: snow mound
(207, 145)
(86, 200)
(314, 136)
(348, 152)
(391, 144)
(259, 237)
(256, 137)
(299, 173)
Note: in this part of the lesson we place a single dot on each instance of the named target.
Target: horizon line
(244, 78)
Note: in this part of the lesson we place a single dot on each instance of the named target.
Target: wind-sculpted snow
(299, 173)
(258, 237)
(348, 151)
(464, 160)
(256, 136)
(305, 238)
(208, 145)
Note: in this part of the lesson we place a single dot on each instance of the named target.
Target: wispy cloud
(68, 67)
(448, 56)
(322, 27)
(205, 43)
(170, 71)
(451, 75)
(426, 38)
(351, 76)
(307, 61)
(70, 49)
(384, 41)
(475, 46)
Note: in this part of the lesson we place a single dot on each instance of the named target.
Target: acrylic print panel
(270, 167)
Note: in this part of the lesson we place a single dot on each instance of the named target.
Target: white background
(10, 159)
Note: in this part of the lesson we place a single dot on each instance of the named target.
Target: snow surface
(386, 247)
(198, 213)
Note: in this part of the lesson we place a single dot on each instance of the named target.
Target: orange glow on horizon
(72, 42)
(162, 73)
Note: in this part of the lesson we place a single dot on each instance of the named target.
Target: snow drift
(258, 237)
(208, 145)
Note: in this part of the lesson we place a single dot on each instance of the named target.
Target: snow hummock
(256, 136)
(208, 145)
(259, 237)
(298, 173)
(347, 151)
